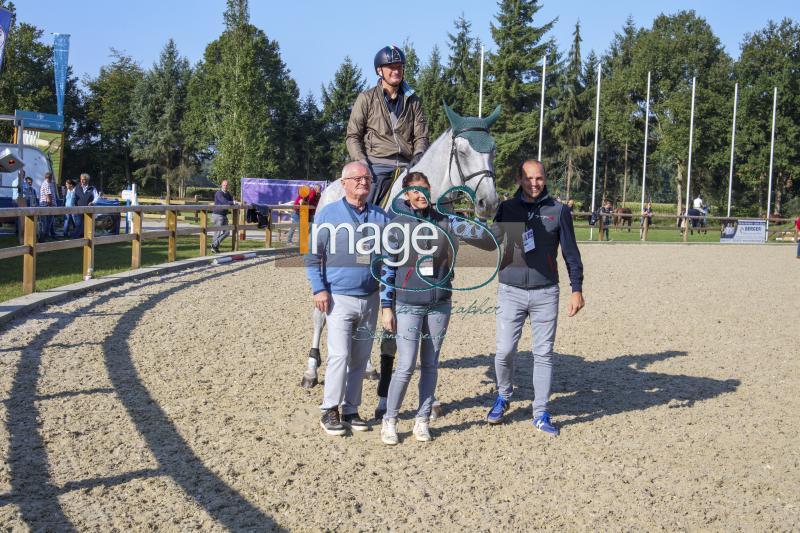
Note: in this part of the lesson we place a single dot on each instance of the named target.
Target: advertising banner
(61, 64)
(5, 27)
(744, 231)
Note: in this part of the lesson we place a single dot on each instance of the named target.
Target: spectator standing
(647, 213)
(220, 218)
(47, 196)
(69, 201)
(29, 193)
(607, 213)
(85, 196)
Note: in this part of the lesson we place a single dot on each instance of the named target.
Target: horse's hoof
(437, 411)
(309, 383)
(314, 353)
(372, 374)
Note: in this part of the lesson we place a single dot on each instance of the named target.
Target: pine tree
(463, 68)
(337, 102)
(411, 71)
(434, 90)
(158, 111)
(516, 79)
(574, 125)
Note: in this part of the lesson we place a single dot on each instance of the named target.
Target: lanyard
(351, 211)
(530, 208)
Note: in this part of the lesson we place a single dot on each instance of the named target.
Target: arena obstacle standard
(30, 248)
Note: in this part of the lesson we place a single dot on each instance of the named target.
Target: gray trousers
(515, 306)
(351, 330)
(422, 330)
(218, 219)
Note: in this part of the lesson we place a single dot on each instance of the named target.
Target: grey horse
(462, 156)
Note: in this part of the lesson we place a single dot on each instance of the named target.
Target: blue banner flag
(61, 64)
(5, 27)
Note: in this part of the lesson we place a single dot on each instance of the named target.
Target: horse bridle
(454, 155)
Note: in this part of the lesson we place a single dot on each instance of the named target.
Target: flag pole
(541, 104)
(596, 138)
(691, 135)
(646, 137)
(771, 156)
(733, 145)
(480, 89)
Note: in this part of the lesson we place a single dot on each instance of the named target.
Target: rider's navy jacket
(551, 222)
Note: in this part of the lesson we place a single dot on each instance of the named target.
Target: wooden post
(88, 248)
(29, 259)
(645, 227)
(203, 233)
(235, 232)
(243, 221)
(686, 223)
(268, 230)
(136, 243)
(172, 226)
(601, 219)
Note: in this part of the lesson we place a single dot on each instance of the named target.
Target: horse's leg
(314, 358)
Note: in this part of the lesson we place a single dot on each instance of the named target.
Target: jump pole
(480, 89)
(689, 169)
(596, 137)
(646, 137)
(733, 146)
(771, 157)
(541, 105)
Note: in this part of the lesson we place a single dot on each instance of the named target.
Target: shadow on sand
(589, 390)
(31, 487)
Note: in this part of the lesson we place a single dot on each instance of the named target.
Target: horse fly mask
(476, 132)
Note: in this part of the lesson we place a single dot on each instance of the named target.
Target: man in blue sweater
(532, 225)
(346, 291)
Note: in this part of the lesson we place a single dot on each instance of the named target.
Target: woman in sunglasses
(415, 311)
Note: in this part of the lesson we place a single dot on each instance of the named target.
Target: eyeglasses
(365, 179)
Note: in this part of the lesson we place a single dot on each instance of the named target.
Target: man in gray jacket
(387, 128)
(532, 225)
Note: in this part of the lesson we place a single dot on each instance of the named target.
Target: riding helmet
(388, 55)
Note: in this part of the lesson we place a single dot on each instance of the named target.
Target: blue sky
(315, 35)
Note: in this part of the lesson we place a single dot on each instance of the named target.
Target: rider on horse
(387, 128)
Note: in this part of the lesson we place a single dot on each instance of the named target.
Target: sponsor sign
(744, 231)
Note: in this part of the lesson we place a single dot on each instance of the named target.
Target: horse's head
(472, 158)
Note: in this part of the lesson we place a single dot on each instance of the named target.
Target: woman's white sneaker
(389, 431)
(421, 430)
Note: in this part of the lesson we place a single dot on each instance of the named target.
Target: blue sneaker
(542, 423)
(498, 410)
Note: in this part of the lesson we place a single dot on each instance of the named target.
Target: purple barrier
(261, 191)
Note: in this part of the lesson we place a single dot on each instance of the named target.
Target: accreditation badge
(527, 241)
